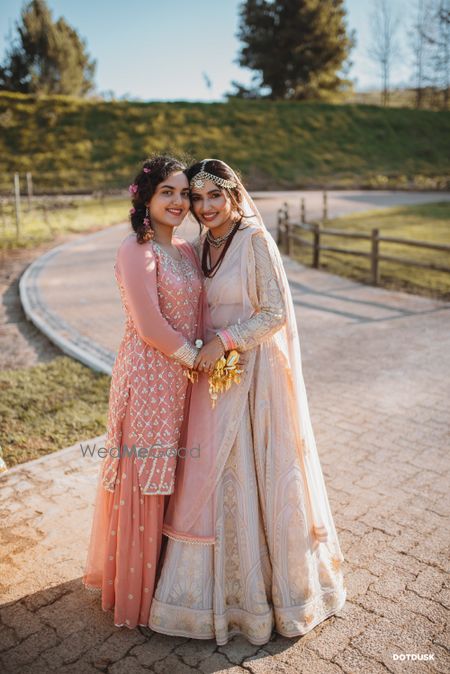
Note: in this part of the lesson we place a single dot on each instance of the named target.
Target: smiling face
(170, 201)
(212, 205)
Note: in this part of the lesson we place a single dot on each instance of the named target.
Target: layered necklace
(209, 269)
(218, 241)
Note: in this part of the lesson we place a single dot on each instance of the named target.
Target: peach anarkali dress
(162, 298)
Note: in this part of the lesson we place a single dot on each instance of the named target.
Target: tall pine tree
(296, 47)
(46, 57)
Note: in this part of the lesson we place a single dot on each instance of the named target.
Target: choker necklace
(218, 241)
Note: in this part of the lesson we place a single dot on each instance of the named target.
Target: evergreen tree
(46, 57)
(296, 47)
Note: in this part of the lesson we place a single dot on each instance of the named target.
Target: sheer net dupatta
(189, 516)
(208, 437)
(191, 512)
(193, 462)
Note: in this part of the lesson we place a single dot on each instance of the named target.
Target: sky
(161, 50)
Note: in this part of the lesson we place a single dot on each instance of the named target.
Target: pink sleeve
(136, 265)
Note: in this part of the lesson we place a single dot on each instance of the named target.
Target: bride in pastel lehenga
(161, 288)
(251, 540)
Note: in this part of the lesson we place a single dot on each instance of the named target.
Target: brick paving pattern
(376, 366)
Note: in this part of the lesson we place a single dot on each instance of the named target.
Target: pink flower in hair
(132, 211)
(147, 170)
(133, 188)
(146, 222)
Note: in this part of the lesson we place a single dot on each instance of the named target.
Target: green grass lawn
(428, 222)
(50, 406)
(39, 225)
(73, 144)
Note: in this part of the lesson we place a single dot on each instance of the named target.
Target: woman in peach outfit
(160, 284)
(252, 543)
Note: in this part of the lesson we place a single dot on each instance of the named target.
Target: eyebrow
(171, 187)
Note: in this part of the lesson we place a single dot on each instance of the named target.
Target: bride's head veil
(323, 527)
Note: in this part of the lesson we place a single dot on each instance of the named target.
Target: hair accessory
(147, 218)
(132, 210)
(146, 169)
(199, 179)
(133, 188)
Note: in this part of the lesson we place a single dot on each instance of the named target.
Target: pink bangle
(226, 339)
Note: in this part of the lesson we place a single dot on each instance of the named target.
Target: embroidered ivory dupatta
(271, 361)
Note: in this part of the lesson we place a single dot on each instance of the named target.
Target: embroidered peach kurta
(160, 296)
(161, 299)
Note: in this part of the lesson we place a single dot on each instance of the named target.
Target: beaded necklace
(209, 269)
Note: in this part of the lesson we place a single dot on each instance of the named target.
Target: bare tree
(430, 43)
(444, 22)
(437, 36)
(384, 48)
(420, 47)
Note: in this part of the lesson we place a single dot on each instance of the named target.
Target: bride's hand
(209, 355)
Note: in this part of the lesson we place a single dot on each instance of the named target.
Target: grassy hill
(80, 145)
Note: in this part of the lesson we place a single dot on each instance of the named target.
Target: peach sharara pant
(125, 544)
(162, 299)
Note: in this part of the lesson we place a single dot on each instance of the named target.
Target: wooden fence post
(325, 206)
(46, 217)
(2, 213)
(286, 228)
(29, 188)
(290, 240)
(316, 247)
(279, 220)
(17, 203)
(375, 273)
(302, 211)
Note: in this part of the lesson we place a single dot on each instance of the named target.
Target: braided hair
(154, 171)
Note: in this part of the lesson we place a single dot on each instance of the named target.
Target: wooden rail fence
(289, 232)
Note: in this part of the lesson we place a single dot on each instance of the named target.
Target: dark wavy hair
(221, 170)
(154, 171)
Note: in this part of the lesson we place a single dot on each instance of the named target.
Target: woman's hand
(209, 355)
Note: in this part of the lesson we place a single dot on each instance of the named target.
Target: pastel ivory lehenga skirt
(261, 572)
(125, 545)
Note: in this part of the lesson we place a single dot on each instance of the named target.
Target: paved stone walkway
(377, 367)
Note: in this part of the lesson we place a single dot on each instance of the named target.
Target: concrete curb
(63, 335)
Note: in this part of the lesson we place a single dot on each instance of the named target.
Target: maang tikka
(199, 179)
